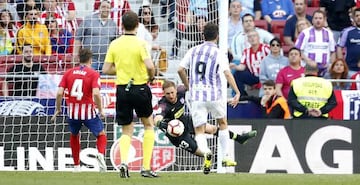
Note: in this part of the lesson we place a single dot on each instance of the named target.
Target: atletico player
(83, 86)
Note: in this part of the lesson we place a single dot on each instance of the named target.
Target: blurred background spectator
(9, 25)
(317, 43)
(116, 12)
(271, 64)
(61, 39)
(290, 33)
(234, 23)
(33, 33)
(67, 11)
(301, 24)
(337, 12)
(252, 7)
(96, 32)
(349, 43)
(277, 9)
(22, 6)
(23, 85)
(240, 41)
(5, 5)
(247, 72)
(339, 70)
(6, 46)
(287, 74)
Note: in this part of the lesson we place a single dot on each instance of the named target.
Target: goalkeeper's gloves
(162, 124)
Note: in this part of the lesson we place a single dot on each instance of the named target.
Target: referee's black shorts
(138, 98)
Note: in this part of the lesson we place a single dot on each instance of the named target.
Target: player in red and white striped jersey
(83, 86)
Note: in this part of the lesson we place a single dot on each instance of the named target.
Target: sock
(101, 143)
(148, 146)
(223, 139)
(75, 148)
(202, 143)
(124, 143)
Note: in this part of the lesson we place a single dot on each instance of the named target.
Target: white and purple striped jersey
(317, 45)
(205, 63)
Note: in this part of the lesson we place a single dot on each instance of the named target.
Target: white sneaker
(101, 162)
(77, 169)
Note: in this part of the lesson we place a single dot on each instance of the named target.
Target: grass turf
(89, 178)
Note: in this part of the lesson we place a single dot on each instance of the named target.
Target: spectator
(4, 5)
(252, 7)
(66, 9)
(271, 64)
(339, 71)
(33, 33)
(355, 85)
(247, 72)
(116, 13)
(23, 85)
(240, 41)
(301, 24)
(317, 43)
(275, 106)
(22, 6)
(165, 4)
(9, 25)
(311, 96)
(6, 46)
(51, 10)
(349, 42)
(287, 74)
(277, 9)
(61, 39)
(146, 16)
(193, 32)
(235, 24)
(146, 21)
(337, 12)
(96, 32)
(291, 24)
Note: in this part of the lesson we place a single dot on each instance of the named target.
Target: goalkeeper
(172, 106)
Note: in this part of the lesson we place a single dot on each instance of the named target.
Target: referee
(129, 59)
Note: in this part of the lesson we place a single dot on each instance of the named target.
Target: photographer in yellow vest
(311, 96)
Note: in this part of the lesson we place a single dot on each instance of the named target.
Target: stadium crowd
(260, 35)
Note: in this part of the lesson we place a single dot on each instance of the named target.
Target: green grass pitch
(90, 178)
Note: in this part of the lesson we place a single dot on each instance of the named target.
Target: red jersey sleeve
(96, 81)
(63, 80)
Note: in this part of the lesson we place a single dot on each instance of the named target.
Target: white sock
(224, 139)
(202, 143)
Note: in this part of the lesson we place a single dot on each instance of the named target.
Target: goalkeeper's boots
(124, 171)
(243, 138)
(101, 162)
(207, 163)
(148, 173)
(228, 163)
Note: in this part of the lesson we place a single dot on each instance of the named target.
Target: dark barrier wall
(300, 146)
(289, 146)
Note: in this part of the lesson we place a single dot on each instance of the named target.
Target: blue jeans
(243, 78)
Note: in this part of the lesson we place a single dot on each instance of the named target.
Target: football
(175, 128)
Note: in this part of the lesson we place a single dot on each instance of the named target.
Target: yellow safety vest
(312, 92)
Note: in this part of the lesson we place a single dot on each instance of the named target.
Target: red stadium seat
(286, 49)
(261, 24)
(278, 27)
(315, 3)
(311, 10)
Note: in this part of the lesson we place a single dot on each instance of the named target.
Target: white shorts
(201, 110)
